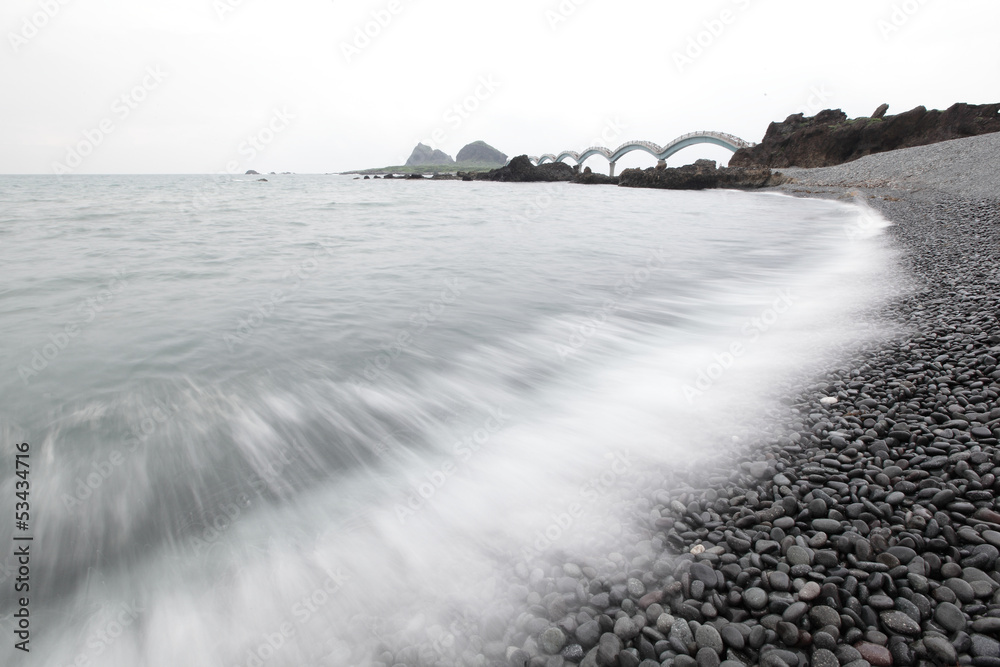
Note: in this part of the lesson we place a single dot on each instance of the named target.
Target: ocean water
(294, 422)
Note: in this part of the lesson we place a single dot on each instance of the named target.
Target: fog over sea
(281, 423)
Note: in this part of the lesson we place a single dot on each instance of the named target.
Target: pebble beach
(861, 527)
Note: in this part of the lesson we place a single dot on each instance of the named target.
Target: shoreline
(860, 533)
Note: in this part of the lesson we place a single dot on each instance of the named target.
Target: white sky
(607, 66)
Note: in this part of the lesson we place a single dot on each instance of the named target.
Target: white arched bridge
(661, 153)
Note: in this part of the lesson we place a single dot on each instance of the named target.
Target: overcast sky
(205, 86)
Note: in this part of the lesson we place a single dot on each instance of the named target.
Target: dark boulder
(591, 178)
(701, 175)
(520, 170)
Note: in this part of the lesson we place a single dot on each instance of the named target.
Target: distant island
(478, 156)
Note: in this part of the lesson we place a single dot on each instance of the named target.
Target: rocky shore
(861, 528)
(702, 175)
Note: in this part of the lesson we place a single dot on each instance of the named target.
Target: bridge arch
(723, 139)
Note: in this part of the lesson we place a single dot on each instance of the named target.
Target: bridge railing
(656, 149)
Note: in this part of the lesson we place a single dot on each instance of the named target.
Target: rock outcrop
(701, 175)
(830, 138)
(520, 170)
(480, 152)
(424, 155)
(589, 177)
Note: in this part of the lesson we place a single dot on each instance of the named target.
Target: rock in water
(701, 175)
(520, 170)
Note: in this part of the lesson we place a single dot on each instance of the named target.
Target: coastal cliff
(829, 138)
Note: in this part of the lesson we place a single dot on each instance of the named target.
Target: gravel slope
(964, 168)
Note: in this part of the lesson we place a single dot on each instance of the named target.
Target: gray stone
(732, 636)
(828, 526)
(898, 623)
(795, 612)
(904, 554)
(628, 658)
(779, 581)
(824, 658)
(705, 574)
(796, 555)
(962, 589)
(879, 656)
(707, 658)
(985, 647)
(680, 636)
(941, 649)
(950, 617)
(810, 591)
(518, 658)
(663, 623)
(709, 637)
(552, 641)
(822, 615)
(626, 628)
(608, 649)
(589, 633)
(788, 633)
(987, 624)
(755, 598)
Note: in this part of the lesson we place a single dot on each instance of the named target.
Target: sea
(314, 420)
